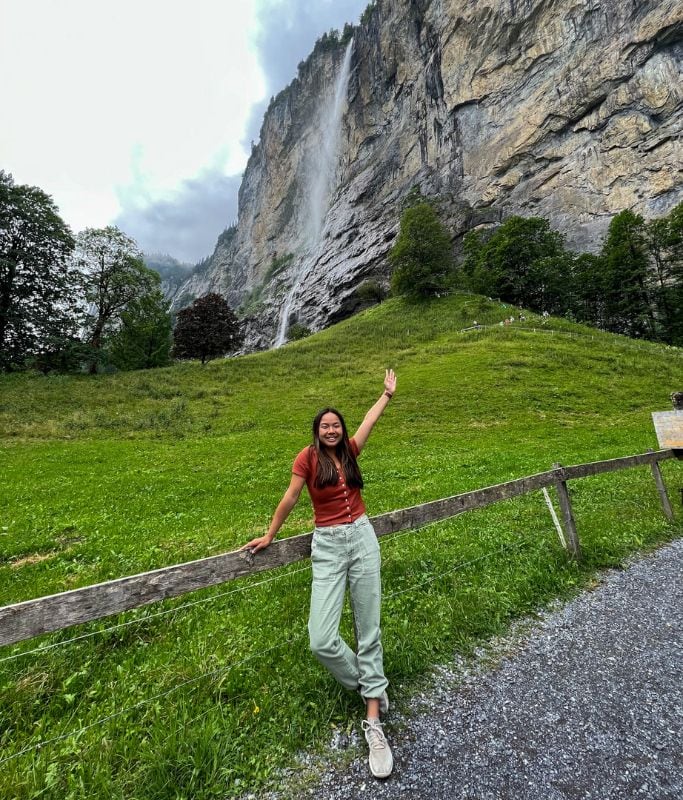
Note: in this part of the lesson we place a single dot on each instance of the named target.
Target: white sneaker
(381, 761)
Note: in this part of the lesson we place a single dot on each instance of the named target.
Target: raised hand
(390, 381)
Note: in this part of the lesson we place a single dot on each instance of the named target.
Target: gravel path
(585, 703)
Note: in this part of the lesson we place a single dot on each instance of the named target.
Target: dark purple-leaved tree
(206, 329)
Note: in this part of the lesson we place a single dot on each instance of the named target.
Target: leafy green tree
(62, 354)
(36, 279)
(143, 339)
(206, 329)
(588, 282)
(503, 265)
(664, 241)
(550, 284)
(422, 256)
(113, 276)
(628, 305)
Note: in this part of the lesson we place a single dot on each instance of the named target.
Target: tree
(664, 242)
(297, 331)
(143, 339)
(113, 276)
(550, 285)
(588, 284)
(370, 291)
(36, 279)
(628, 306)
(505, 264)
(422, 256)
(206, 329)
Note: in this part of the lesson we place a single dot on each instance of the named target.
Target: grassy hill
(113, 475)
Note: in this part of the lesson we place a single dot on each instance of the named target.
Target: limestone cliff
(566, 110)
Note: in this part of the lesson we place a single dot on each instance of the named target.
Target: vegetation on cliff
(633, 286)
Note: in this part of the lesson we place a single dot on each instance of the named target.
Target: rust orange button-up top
(333, 505)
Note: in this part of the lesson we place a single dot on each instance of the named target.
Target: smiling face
(330, 430)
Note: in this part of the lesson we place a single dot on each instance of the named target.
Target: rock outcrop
(570, 111)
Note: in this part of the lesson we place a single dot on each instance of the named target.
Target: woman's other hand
(257, 544)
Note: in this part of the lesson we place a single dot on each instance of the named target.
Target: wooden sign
(669, 429)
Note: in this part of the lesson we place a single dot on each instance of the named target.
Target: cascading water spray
(321, 183)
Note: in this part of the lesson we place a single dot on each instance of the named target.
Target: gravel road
(586, 702)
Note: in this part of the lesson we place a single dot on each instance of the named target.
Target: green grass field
(108, 476)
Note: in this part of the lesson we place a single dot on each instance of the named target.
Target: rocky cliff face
(566, 110)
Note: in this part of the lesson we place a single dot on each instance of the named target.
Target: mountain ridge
(511, 108)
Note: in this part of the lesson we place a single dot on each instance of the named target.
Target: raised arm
(283, 510)
(366, 426)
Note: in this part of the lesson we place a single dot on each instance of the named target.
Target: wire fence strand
(146, 617)
(146, 701)
(224, 669)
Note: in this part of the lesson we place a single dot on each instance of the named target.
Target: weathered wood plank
(437, 510)
(55, 612)
(613, 464)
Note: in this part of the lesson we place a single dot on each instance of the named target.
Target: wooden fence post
(661, 488)
(567, 513)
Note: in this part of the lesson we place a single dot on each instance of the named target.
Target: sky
(141, 113)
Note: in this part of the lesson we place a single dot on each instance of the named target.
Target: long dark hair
(327, 472)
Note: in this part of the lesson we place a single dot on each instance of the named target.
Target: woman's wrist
(388, 394)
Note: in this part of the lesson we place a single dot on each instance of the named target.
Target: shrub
(297, 331)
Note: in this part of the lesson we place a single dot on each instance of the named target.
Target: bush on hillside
(370, 291)
(297, 331)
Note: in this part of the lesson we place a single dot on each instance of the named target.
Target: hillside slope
(209, 695)
(175, 463)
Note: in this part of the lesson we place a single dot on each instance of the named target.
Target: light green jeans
(341, 553)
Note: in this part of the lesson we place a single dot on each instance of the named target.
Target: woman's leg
(366, 599)
(329, 565)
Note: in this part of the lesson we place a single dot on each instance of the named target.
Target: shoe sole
(381, 775)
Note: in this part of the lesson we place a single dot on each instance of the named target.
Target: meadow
(212, 694)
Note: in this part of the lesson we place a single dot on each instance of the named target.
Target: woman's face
(330, 430)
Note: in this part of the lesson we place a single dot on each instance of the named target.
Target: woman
(344, 548)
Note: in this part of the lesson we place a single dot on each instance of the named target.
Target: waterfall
(322, 168)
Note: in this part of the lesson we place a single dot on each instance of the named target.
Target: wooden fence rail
(31, 618)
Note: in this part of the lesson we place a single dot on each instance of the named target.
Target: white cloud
(107, 99)
(139, 110)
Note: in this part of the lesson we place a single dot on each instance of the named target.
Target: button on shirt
(333, 505)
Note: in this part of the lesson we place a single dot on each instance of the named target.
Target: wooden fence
(31, 618)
